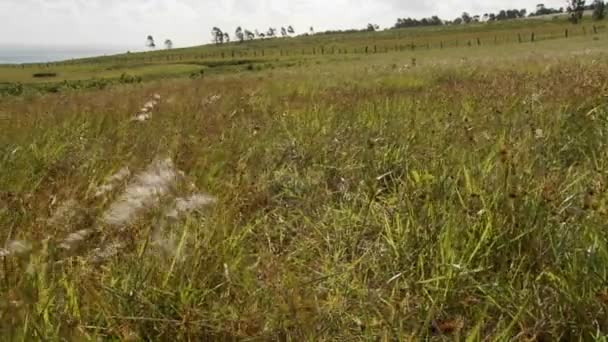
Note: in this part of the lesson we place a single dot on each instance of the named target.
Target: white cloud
(188, 22)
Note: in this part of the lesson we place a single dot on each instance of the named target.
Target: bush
(15, 89)
(128, 79)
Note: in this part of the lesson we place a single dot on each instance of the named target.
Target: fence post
(566, 33)
(532, 37)
(375, 49)
(441, 45)
(519, 37)
(594, 29)
(478, 41)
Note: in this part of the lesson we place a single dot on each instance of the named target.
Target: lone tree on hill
(291, 30)
(168, 44)
(599, 10)
(240, 36)
(217, 35)
(576, 8)
(272, 32)
(150, 42)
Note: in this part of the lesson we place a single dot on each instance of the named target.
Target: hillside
(307, 190)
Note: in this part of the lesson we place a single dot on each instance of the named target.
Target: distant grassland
(276, 52)
(436, 194)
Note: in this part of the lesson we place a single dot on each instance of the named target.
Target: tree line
(575, 10)
(218, 36)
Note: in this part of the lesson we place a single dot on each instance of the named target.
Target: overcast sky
(126, 23)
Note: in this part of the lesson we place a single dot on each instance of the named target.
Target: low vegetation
(455, 193)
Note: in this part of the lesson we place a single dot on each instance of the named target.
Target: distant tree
(599, 10)
(291, 30)
(466, 17)
(576, 8)
(240, 36)
(150, 42)
(311, 30)
(284, 32)
(226, 37)
(168, 44)
(271, 33)
(249, 35)
(540, 8)
(492, 17)
(457, 21)
(217, 35)
(371, 27)
(523, 12)
(409, 22)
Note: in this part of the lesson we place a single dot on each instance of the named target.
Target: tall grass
(356, 200)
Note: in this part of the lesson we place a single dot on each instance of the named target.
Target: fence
(389, 45)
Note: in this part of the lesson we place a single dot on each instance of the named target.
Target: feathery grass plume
(64, 214)
(75, 239)
(189, 204)
(15, 248)
(141, 117)
(150, 105)
(112, 181)
(101, 254)
(143, 193)
(212, 99)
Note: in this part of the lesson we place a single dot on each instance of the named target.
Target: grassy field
(443, 194)
(266, 53)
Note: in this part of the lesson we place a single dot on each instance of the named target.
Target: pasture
(449, 192)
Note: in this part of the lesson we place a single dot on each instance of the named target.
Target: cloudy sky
(126, 23)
